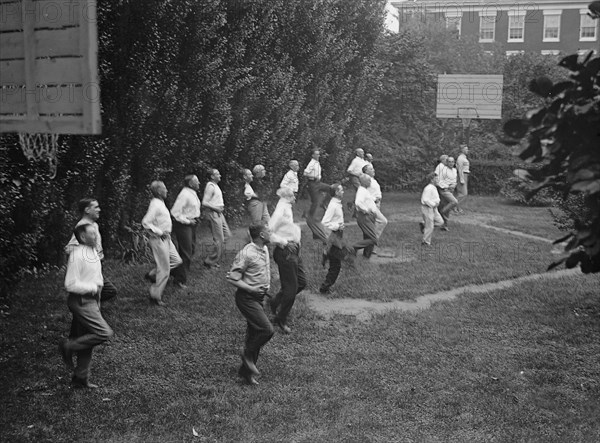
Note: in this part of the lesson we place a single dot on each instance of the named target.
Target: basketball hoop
(38, 147)
(466, 115)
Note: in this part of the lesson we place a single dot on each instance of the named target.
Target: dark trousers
(315, 190)
(184, 238)
(109, 291)
(317, 229)
(88, 329)
(335, 255)
(293, 280)
(366, 223)
(259, 330)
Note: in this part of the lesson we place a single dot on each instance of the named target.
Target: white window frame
(519, 15)
(583, 16)
(454, 18)
(514, 52)
(487, 17)
(548, 13)
(551, 52)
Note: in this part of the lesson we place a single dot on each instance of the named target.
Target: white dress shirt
(290, 180)
(157, 220)
(84, 271)
(249, 192)
(447, 177)
(374, 189)
(214, 198)
(313, 170)
(364, 201)
(462, 165)
(73, 241)
(356, 166)
(187, 206)
(283, 228)
(334, 215)
(430, 196)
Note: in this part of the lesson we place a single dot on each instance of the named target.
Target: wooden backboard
(469, 96)
(49, 67)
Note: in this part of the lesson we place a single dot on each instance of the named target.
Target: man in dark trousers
(186, 213)
(84, 282)
(90, 213)
(251, 274)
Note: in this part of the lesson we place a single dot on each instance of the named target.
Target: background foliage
(190, 85)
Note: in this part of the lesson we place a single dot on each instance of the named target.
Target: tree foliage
(188, 85)
(563, 136)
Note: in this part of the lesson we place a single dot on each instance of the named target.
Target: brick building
(544, 26)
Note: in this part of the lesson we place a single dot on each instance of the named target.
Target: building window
(551, 28)
(454, 23)
(511, 53)
(553, 52)
(487, 28)
(516, 28)
(587, 28)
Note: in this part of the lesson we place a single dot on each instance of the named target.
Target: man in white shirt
(446, 183)
(214, 205)
(312, 173)
(430, 200)
(366, 214)
(90, 213)
(333, 220)
(286, 236)
(186, 213)
(258, 204)
(356, 167)
(462, 166)
(84, 282)
(375, 191)
(157, 223)
(290, 179)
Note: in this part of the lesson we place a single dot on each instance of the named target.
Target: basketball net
(38, 147)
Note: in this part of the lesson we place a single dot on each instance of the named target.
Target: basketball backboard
(49, 67)
(469, 96)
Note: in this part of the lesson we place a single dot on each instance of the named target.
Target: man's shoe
(151, 278)
(67, 355)
(157, 302)
(422, 227)
(181, 285)
(80, 383)
(423, 243)
(444, 228)
(284, 328)
(250, 364)
(250, 380)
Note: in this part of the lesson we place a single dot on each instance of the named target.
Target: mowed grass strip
(467, 254)
(521, 364)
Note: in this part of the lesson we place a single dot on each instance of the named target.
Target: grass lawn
(519, 364)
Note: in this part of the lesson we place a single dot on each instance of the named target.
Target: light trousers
(166, 258)
(431, 218)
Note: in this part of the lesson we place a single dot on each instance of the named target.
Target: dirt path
(364, 309)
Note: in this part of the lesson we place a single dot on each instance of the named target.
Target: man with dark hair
(213, 203)
(251, 274)
(336, 249)
(286, 236)
(157, 222)
(90, 213)
(185, 212)
(84, 282)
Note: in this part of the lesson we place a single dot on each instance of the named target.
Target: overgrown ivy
(563, 136)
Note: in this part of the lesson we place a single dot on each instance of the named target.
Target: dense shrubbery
(193, 84)
(518, 191)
